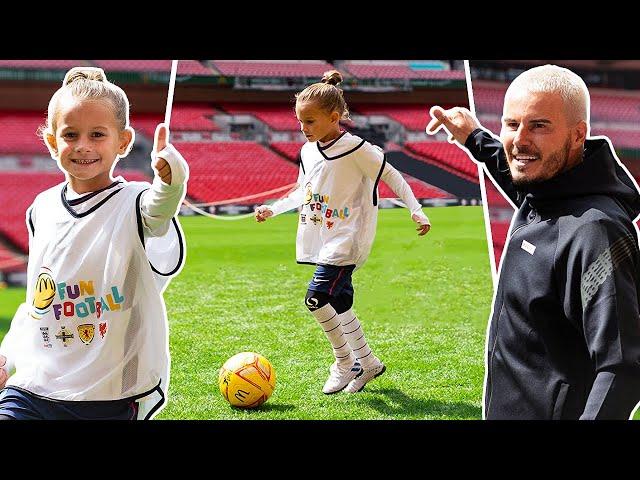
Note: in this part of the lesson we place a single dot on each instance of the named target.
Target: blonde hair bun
(332, 77)
(84, 73)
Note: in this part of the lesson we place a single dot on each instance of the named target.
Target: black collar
(332, 142)
(326, 147)
(89, 203)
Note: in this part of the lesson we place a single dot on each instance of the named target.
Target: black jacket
(564, 337)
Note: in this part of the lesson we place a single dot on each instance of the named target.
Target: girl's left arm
(401, 188)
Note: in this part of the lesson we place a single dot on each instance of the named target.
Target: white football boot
(340, 377)
(367, 374)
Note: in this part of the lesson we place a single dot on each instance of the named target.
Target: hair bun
(332, 77)
(84, 73)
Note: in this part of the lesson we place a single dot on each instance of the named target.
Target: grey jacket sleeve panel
(602, 300)
(488, 150)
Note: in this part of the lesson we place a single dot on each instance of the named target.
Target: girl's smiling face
(87, 142)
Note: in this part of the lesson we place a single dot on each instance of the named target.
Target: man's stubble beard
(556, 162)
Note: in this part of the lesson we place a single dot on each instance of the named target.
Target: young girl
(91, 340)
(338, 190)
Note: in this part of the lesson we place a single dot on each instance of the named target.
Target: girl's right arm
(293, 200)
(11, 343)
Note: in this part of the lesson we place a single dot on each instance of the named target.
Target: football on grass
(247, 380)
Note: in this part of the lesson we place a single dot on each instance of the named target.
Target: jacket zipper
(493, 352)
(495, 340)
(525, 224)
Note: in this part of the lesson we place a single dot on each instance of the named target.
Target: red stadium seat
(289, 150)
(146, 123)
(499, 231)
(494, 197)
(193, 117)
(414, 117)
(420, 189)
(227, 170)
(193, 67)
(278, 116)
(488, 97)
(11, 262)
(19, 132)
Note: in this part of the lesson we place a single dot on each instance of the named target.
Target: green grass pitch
(423, 303)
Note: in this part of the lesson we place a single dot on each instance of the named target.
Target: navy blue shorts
(332, 280)
(22, 405)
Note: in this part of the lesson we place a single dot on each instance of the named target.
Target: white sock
(355, 337)
(329, 320)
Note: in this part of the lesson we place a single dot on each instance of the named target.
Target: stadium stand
(134, 65)
(19, 132)
(489, 96)
(499, 231)
(420, 189)
(193, 117)
(619, 137)
(277, 116)
(283, 68)
(289, 150)
(412, 117)
(617, 107)
(396, 70)
(193, 67)
(43, 64)
(446, 154)
(494, 197)
(145, 123)
(225, 170)
(9, 261)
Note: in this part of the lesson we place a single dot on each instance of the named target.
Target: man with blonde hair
(564, 336)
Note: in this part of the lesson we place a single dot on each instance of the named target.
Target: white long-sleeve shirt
(337, 188)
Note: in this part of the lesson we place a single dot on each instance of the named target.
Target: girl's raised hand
(160, 165)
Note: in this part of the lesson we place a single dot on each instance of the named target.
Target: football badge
(86, 332)
(44, 291)
(64, 337)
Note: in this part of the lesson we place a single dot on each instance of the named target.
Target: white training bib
(94, 326)
(337, 223)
